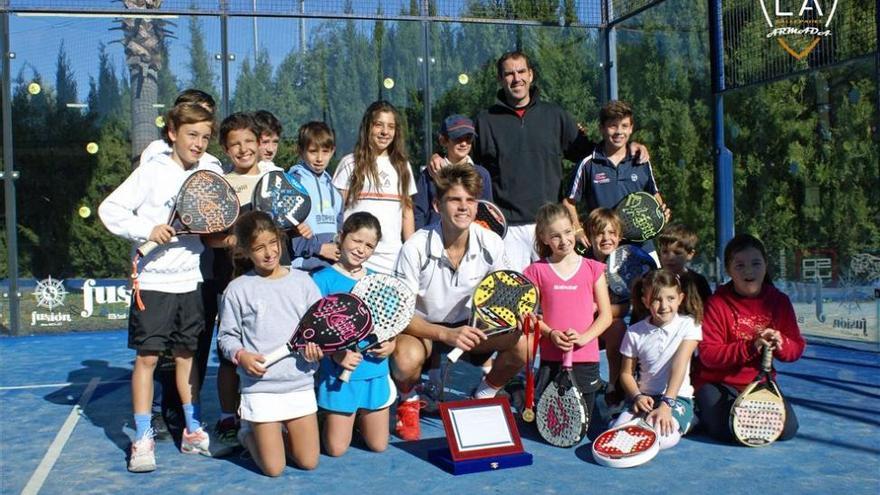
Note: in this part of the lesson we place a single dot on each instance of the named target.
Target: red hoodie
(730, 326)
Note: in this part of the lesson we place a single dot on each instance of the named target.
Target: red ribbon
(530, 361)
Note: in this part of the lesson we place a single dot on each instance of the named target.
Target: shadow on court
(104, 409)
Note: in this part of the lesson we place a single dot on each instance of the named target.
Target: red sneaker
(408, 427)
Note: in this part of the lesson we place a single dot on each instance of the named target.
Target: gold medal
(528, 415)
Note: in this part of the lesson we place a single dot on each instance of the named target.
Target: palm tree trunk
(143, 54)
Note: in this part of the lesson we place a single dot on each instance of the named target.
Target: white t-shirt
(443, 294)
(244, 185)
(383, 200)
(655, 347)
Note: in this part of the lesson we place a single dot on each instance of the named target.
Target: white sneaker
(143, 454)
(197, 442)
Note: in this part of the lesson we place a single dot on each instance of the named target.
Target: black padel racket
(562, 416)
(757, 417)
(498, 302)
(641, 215)
(283, 198)
(333, 322)
(623, 266)
(205, 204)
(392, 305)
(630, 444)
(490, 217)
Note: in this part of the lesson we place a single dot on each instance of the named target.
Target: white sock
(409, 396)
(485, 391)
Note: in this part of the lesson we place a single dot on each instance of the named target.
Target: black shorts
(170, 322)
(476, 359)
(586, 376)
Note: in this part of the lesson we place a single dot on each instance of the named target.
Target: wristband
(669, 401)
(636, 397)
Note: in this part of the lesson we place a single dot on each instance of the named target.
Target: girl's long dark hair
(365, 156)
(655, 280)
(246, 229)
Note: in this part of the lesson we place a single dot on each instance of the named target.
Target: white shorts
(519, 246)
(265, 407)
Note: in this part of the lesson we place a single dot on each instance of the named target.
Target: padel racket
(623, 266)
(498, 302)
(283, 198)
(333, 322)
(490, 217)
(641, 216)
(562, 416)
(392, 305)
(205, 204)
(630, 444)
(757, 417)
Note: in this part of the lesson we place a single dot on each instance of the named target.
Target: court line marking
(67, 384)
(54, 452)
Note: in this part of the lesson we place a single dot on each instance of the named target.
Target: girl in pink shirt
(571, 289)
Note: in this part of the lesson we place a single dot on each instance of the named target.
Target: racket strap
(135, 284)
(531, 354)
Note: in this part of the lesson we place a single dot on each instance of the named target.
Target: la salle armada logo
(799, 25)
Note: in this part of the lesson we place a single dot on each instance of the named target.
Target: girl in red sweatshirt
(741, 317)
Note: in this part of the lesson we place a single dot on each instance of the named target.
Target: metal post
(224, 58)
(724, 213)
(256, 38)
(608, 54)
(302, 27)
(9, 176)
(609, 41)
(426, 82)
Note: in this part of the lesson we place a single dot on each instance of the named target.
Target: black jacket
(524, 155)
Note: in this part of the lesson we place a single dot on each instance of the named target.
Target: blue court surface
(66, 415)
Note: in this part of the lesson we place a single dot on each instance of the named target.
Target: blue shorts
(371, 394)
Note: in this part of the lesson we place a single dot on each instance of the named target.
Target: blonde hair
(186, 113)
(546, 215)
(601, 218)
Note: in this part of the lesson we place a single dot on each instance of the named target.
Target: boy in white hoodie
(167, 311)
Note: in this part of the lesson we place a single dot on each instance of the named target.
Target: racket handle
(277, 355)
(567, 359)
(345, 376)
(454, 355)
(146, 248)
(767, 358)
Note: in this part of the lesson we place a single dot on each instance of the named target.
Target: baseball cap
(456, 126)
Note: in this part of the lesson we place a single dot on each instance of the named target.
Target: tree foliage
(805, 149)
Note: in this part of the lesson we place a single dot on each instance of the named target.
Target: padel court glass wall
(90, 80)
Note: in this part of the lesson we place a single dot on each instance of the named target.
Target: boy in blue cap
(456, 138)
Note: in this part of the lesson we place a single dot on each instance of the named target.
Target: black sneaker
(160, 429)
(226, 437)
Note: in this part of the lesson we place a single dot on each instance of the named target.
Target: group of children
(363, 220)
